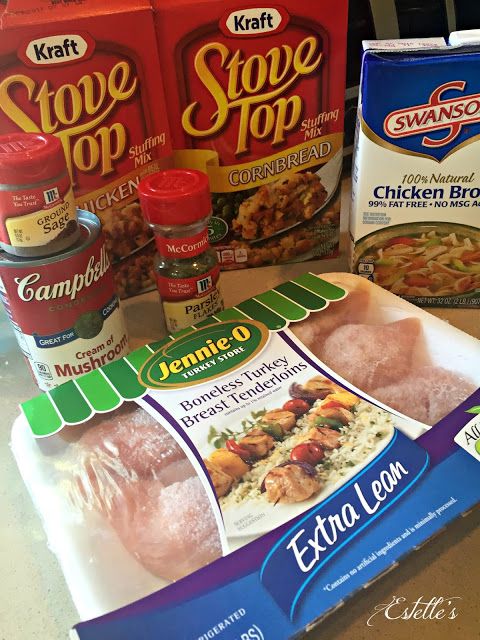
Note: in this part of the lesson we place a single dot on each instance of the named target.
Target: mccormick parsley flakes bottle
(176, 203)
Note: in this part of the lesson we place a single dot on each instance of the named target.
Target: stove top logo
(440, 114)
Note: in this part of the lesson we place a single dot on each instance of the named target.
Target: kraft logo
(251, 22)
(57, 49)
(439, 114)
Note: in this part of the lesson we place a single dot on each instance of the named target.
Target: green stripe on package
(107, 388)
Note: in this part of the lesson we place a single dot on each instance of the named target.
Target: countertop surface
(35, 603)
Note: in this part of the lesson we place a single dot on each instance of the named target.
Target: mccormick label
(187, 247)
(416, 190)
(73, 71)
(41, 215)
(64, 310)
(187, 301)
(256, 101)
(37, 207)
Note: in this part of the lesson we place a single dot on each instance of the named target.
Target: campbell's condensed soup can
(64, 309)
(37, 208)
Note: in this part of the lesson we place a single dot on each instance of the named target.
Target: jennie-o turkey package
(255, 99)
(89, 73)
(242, 478)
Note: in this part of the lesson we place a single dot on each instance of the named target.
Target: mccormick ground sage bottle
(37, 208)
(176, 204)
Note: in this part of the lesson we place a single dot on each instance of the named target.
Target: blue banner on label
(55, 339)
(226, 601)
(110, 307)
(69, 335)
(299, 555)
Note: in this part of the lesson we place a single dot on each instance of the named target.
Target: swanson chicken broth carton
(91, 76)
(416, 185)
(241, 478)
(255, 99)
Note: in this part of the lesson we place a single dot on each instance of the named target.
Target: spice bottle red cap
(29, 158)
(175, 196)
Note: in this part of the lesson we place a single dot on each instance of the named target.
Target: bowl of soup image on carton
(431, 264)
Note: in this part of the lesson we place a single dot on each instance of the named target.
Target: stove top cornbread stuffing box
(256, 99)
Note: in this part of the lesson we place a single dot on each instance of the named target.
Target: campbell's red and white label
(65, 314)
(183, 247)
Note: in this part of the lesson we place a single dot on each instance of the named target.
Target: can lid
(28, 158)
(175, 196)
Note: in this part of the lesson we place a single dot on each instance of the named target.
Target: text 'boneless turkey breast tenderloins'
(251, 472)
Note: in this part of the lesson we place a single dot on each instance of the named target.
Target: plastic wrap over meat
(369, 355)
(430, 393)
(131, 470)
(387, 359)
(352, 309)
(169, 529)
